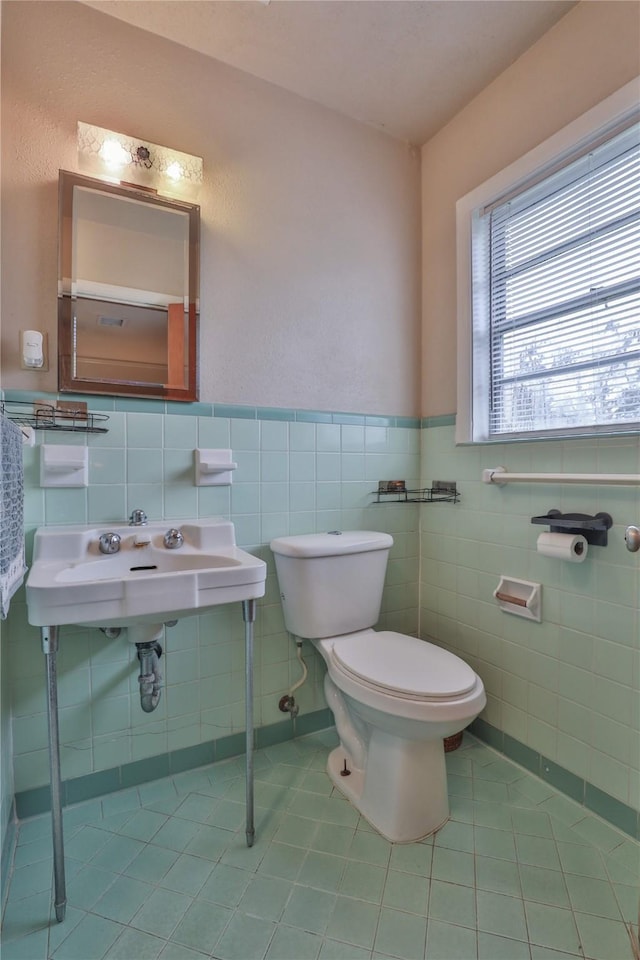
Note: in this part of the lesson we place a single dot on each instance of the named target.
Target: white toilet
(394, 697)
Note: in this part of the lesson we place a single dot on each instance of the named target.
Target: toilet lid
(404, 665)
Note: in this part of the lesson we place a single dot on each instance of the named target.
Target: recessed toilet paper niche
(523, 598)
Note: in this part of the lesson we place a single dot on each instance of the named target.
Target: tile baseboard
(615, 812)
(9, 842)
(30, 803)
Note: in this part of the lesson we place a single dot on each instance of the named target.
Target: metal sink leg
(249, 616)
(50, 650)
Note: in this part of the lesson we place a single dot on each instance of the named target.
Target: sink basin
(72, 582)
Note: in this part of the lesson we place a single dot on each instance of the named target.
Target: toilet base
(402, 791)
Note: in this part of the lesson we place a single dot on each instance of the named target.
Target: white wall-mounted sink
(72, 582)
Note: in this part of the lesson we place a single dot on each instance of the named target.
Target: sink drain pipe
(150, 678)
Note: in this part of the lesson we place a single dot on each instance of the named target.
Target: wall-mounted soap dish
(214, 468)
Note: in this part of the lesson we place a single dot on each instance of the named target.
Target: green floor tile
(490, 842)
(590, 895)
(282, 860)
(453, 866)
(161, 913)
(31, 947)
(400, 934)
(414, 858)
(456, 835)
(581, 860)
(452, 903)
(449, 942)
(332, 838)
(552, 927)
(135, 943)
(537, 852)
(201, 926)
(501, 876)
(370, 847)
(322, 870)
(289, 943)
(309, 909)
(334, 950)
(265, 897)
(501, 915)
(225, 885)
(544, 886)
(123, 899)
(354, 922)
(246, 938)
(90, 940)
(187, 875)
(87, 886)
(152, 863)
(491, 947)
(405, 891)
(601, 937)
(363, 880)
(533, 877)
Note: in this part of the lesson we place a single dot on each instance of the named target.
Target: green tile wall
(568, 688)
(565, 692)
(297, 472)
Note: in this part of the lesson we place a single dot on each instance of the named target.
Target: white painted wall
(586, 56)
(310, 221)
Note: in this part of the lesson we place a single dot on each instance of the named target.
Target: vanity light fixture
(116, 156)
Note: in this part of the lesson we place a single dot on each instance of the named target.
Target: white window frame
(472, 394)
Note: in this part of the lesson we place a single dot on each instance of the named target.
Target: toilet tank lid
(331, 544)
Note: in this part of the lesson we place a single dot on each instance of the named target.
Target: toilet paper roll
(563, 546)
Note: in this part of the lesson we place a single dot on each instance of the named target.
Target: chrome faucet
(109, 543)
(138, 518)
(173, 539)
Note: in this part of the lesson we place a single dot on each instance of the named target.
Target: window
(552, 271)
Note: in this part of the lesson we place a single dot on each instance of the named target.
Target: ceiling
(404, 66)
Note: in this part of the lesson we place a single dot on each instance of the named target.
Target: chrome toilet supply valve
(632, 538)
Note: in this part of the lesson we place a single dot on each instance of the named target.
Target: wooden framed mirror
(128, 291)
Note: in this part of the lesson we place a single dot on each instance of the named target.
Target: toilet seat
(402, 666)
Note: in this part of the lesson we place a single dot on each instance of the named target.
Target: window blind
(561, 285)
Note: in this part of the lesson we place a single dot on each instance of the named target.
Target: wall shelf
(395, 491)
(48, 416)
(593, 529)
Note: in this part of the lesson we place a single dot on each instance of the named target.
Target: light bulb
(174, 171)
(114, 154)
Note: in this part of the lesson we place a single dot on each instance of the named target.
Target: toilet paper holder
(520, 597)
(593, 528)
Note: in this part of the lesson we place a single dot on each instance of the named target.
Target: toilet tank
(331, 583)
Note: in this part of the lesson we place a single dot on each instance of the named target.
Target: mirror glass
(127, 291)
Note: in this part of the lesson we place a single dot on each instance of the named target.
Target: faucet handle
(173, 539)
(109, 543)
(138, 518)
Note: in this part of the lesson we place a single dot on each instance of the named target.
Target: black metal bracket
(592, 528)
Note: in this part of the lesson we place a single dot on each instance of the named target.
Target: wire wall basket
(395, 491)
(66, 416)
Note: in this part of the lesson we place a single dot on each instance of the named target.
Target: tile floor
(162, 871)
